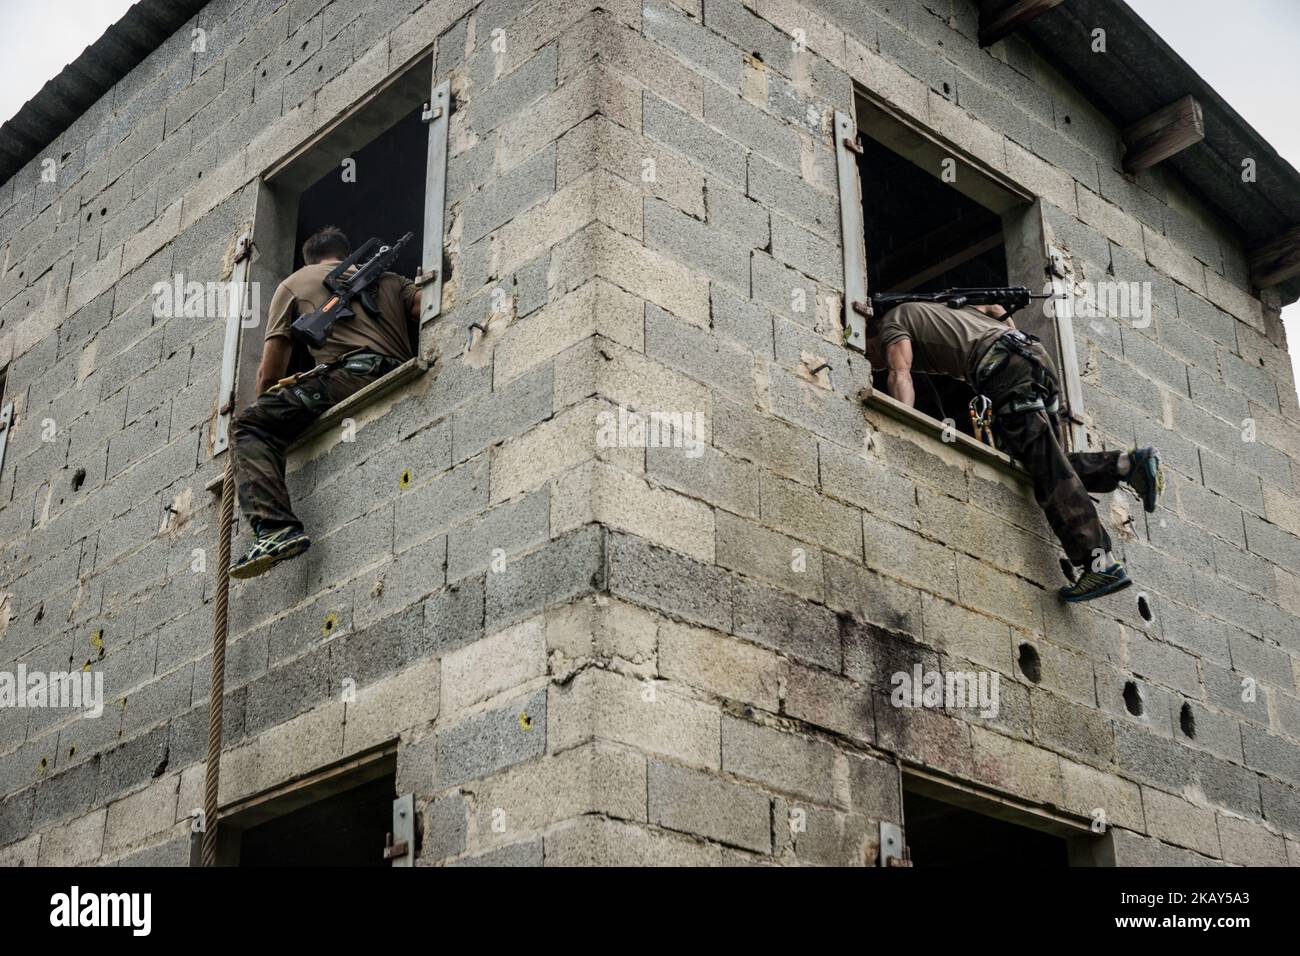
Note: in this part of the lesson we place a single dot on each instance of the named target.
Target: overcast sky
(1248, 50)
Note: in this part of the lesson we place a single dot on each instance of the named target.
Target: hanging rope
(220, 610)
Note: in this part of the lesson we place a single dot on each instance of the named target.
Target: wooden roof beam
(1167, 131)
(997, 23)
(1276, 261)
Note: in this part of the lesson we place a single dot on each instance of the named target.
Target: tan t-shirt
(304, 291)
(944, 340)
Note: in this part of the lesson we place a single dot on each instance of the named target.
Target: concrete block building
(636, 563)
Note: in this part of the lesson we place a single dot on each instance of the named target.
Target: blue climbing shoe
(1145, 476)
(269, 549)
(1095, 584)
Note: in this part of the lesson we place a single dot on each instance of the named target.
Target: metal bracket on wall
(891, 845)
(436, 114)
(6, 419)
(1061, 273)
(857, 308)
(230, 350)
(400, 848)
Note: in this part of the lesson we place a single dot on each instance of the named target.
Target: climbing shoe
(1095, 584)
(269, 549)
(1145, 476)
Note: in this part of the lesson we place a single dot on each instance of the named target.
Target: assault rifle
(375, 258)
(1011, 298)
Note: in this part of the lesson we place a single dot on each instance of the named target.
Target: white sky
(1248, 50)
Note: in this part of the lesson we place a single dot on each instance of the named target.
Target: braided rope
(221, 606)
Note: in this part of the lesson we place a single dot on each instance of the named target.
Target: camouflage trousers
(1061, 481)
(264, 431)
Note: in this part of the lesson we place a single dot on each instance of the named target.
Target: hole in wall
(1133, 698)
(1187, 720)
(1067, 119)
(78, 479)
(946, 89)
(1031, 664)
(1144, 607)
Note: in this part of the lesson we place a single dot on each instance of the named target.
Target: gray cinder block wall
(591, 652)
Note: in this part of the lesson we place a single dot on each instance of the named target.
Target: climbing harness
(1042, 395)
(360, 363)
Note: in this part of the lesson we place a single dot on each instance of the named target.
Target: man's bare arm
(995, 311)
(275, 362)
(898, 356)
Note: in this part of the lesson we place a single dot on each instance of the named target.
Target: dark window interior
(942, 834)
(385, 201)
(346, 829)
(922, 235)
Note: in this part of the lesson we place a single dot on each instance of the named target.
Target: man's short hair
(873, 324)
(328, 242)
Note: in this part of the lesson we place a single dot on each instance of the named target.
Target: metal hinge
(424, 278)
(893, 852)
(429, 115)
(1059, 264)
(395, 851)
(399, 844)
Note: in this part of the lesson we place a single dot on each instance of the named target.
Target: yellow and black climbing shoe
(1145, 476)
(1095, 584)
(269, 549)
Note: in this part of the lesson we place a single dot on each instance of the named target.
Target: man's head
(872, 345)
(325, 245)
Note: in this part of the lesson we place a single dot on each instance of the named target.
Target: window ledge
(882, 402)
